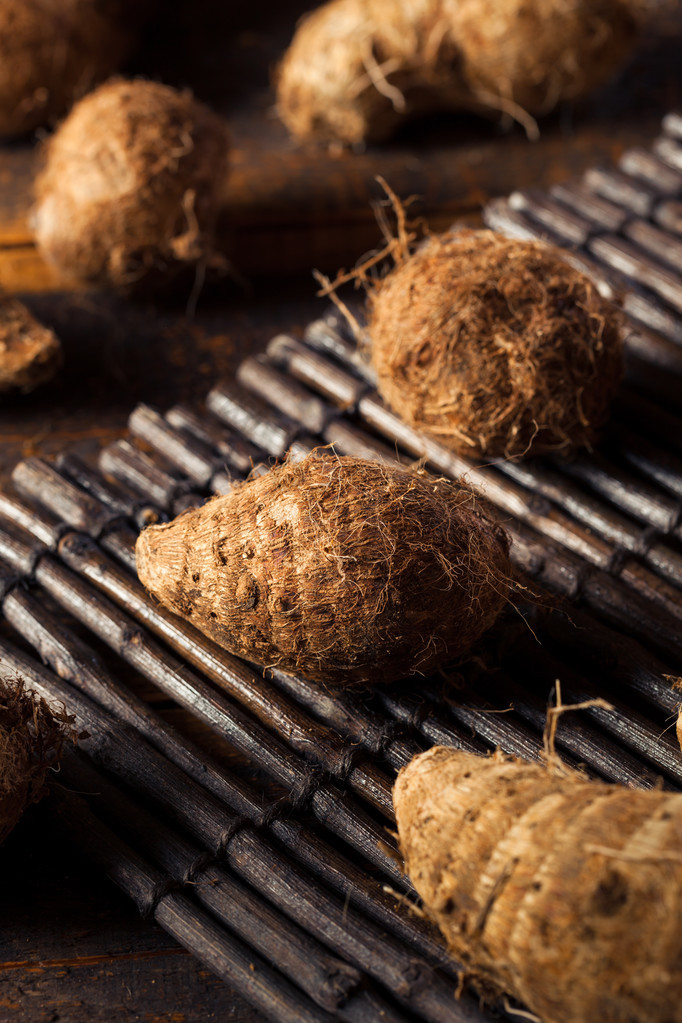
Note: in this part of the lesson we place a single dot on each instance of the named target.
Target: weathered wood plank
(73, 949)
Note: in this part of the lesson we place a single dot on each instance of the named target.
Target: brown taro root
(53, 51)
(563, 892)
(30, 353)
(495, 347)
(356, 68)
(338, 568)
(31, 736)
(132, 185)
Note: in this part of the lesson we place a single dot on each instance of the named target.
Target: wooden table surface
(71, 947)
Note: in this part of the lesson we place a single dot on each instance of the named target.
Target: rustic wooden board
(73, 949)
(289, 208)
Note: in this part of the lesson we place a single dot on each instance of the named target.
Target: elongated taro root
(29, 352)
(31, 736)
(563, 892)
(356, 68)
(53, 51)
(339, 568)
(496, 347)
(132, 185)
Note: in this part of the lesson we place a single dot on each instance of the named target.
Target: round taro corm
(495, 347)
(30, 353)
(356, 69)
(131, 185)
(341, 569)
(31, 736)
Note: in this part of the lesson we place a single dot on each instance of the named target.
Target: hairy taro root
(357, 68)
(495, 347)
(30, 739)
(132, 185)
(339, 568)
(30, 353)
(563, 892)
(53, 51)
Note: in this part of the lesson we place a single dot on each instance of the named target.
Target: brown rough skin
(341, 569)
(53, 51)
(562, 892)
(30, 739)
(356, 68)
(496, 347)
(30, 353)
(131, 185)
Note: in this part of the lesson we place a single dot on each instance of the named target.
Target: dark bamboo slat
(523, 749)
(193, 457)
(571, 227)
(343, 711)
(261, 698)
(445, 460)
(640, 163)
(325, 799)
(233, 449)
(663, 468)
(514, 500)
(245, 971)
(334, 985)
(489, 727)
(600, 212)
(672, 124)
(670, 151)
(635, 196)
(638, 502)
(576, 737)
(629, 668)
(602, 532)
(647, 739)
(120, 751)
(89, 562)
(656, 242)
(133, 467)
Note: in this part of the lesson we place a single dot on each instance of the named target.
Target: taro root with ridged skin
(131, 185)
(357, 68)
(31, 736)
(495, 347)
(30, 353)
(563, 892)
(342, 569)
(53, 51)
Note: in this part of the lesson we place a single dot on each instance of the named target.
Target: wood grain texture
(289, 208)
(73, 949)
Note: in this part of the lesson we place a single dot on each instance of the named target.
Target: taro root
(31, 736)
(495, 347)
(563, 892)
(53, 51)
(342, 569)
(132, 185)
(30, 353)
(357, 68)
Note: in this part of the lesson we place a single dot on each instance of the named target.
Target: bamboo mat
(289, 887)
